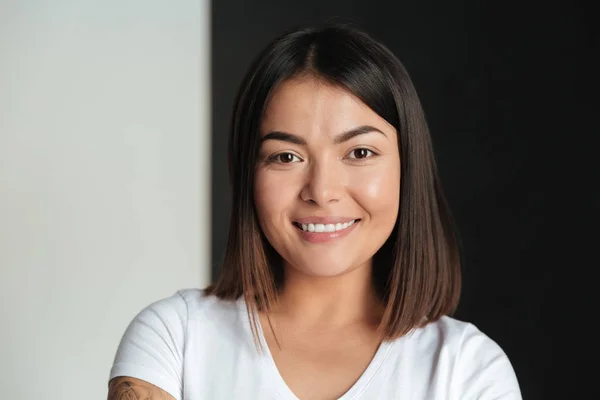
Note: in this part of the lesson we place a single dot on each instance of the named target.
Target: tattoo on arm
(125, 388)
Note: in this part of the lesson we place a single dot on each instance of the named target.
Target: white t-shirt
(199, 347)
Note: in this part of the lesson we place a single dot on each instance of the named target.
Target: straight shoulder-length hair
(417, 271)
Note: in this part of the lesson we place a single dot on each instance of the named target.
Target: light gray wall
(104, 180)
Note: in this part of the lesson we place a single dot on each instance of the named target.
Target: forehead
(301, 105)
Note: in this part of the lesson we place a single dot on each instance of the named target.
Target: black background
(508, 91)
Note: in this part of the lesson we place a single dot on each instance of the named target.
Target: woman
(341, 267)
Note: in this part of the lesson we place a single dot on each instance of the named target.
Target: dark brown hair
(417, 270)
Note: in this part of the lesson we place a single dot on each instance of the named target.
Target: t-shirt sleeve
(483, 371)
(152, 346)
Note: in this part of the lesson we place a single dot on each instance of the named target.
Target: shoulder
(187, 307)
(447, 334)
(190, 303)
(202, 307)
(192, 315)
(465, 342)
(153, 345)
(453, 336)
(482, 368)
(471, 364)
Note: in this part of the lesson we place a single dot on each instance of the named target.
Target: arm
(126, 388)
(152, 351)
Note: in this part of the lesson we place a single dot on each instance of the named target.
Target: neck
(329, 301)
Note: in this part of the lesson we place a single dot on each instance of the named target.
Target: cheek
(273, 196)
(378, 190)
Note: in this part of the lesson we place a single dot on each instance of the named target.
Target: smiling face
(327, 183)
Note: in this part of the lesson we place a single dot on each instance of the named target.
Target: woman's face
(327, 186)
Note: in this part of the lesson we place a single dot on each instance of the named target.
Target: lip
(323, 237)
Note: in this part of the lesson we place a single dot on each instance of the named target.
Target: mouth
(325, 228)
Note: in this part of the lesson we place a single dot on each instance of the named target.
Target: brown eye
(285, 158)
(360, 153)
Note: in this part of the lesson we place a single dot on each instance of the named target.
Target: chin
(325, 270)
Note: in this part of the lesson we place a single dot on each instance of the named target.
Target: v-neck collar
(283, 389)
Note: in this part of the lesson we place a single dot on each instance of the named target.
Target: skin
(324, 327)
(127, 388)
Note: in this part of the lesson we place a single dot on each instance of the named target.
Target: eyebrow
(341, 138)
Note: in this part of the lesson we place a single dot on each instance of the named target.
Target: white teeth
(326, 227)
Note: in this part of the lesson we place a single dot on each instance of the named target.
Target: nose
(324, 184)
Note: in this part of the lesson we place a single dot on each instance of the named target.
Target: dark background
(507, 89)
